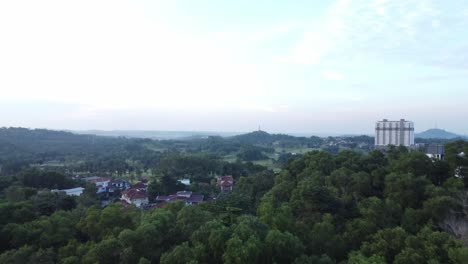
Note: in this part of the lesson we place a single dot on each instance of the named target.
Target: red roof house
(135, 196)
(226, 183)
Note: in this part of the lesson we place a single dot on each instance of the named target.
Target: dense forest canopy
(348, 206)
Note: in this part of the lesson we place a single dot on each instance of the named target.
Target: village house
(102, 183)
(134, 196)
(120, 184)
(225, 183)
(140, 186)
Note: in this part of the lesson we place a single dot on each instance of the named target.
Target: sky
(215, 65)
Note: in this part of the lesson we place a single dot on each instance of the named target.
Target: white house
(72, 192)
(102, 183)
(135, 196)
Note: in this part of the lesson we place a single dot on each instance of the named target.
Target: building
(102, 183)
(435, 151)
(72, 192)
(120, 184)
(140, 186)
(134, 196)
(225, 183)
(398, 133)
(185, 182)
(188, 197)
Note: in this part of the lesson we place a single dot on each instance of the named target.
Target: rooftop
(97, 179)
(139, 185)
(135, 194)
(193, 198)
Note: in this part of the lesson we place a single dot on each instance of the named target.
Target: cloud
(424, 32)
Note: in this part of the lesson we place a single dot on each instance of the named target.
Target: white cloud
(404, 30)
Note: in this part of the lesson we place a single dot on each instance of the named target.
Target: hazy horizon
(304, 67)
(173, 134)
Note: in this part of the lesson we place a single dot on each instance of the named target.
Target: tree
(415, 162)
(458, 255)
(358, 258)
(190, 218)
(105, 252)
(163, 184)
(181, 254)
(98, 224)
(386, 243)
(240, 252)
(282, 247)
(213, 236)
(309, 199)
(406, 189)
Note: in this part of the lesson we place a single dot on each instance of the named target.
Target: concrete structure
(394, 133)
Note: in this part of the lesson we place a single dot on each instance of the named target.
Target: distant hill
(24, 143)
(255, 137)
(437, 133)
(160, 135)
(262, 137)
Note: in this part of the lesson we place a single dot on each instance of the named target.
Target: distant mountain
(437, 133)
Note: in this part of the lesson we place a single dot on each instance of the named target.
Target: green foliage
(458, 255)
(98, 224)
(242, 251)
(190, 218)
(106, 252)
(386, 243)
(181, 254)
(358, 258)
(46, 179)
(282, 247)
(16, 212)
(406, 189)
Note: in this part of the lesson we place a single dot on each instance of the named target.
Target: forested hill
(21, 147)
(50, 143)
(262, 137)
